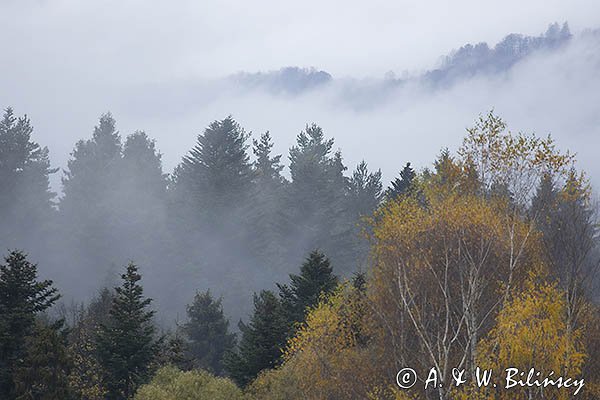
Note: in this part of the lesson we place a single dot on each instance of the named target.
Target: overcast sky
(64, 62)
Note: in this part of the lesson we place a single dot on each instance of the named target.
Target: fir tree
(26, 201)
(22, 297)
(263, 339)
(43, 373)
(317, 196)
(207, 332)
(305, 290)
(364, 190)
(267, 220)
(216, 173)
(126, 345)
(402, 184)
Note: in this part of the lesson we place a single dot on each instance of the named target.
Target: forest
(244, 275)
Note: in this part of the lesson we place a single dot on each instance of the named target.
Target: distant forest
(488, 258)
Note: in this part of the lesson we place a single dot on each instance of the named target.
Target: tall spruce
(22, 298)
(267, 221)
(317, 197)
(26, 201)
(305, 290)
(216, 174)
(207, 333)
(263, 339)
(126, 344)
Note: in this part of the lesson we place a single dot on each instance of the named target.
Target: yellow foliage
(169, 383)
(531, 331)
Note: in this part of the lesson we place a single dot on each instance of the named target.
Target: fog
(172, 69)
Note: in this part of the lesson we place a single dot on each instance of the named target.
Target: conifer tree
(263, 339)
(207, 332)
(365, 190)
(126, 344)
(216, 173)
(305, 290)
(22, 297)
(402, 184)
(43, 373)
(267, 222)
(317, 196)
(26, 201)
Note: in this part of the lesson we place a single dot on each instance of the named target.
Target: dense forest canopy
(125, 285)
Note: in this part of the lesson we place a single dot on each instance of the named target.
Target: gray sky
(153, 64)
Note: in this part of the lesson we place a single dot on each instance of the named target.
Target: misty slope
(463, 63)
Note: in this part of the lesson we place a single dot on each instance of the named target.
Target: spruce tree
(317, 201)
(26, 201)
(364, 190)
(263, 339)
(126, 344)
(267, 222)
(22, 297)
(207, 332)
(216, 173)
(305, 290)
(402, 184)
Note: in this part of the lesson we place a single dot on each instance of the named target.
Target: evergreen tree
(317, 197)
(43, 373)
(91, 170)
(266, 217)
(26, 201)
(365, 193)
(305, 290)
(216, 173)
(402, 184)
(262, 340)
(365, 190)
(22, 297)
(267, 169)
(126, 345)
(565, 217)
(207, 332)
(114, 203)
(88, 217)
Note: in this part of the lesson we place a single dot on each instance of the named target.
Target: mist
(372, 97)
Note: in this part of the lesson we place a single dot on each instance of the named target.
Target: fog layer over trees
(226, 219)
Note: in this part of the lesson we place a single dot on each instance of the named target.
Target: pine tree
(207, 332)
(305, 290)
(22, 297)
(126, 345)
(402, 184)
(263, 339)
(26, 201)
(43, 373)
